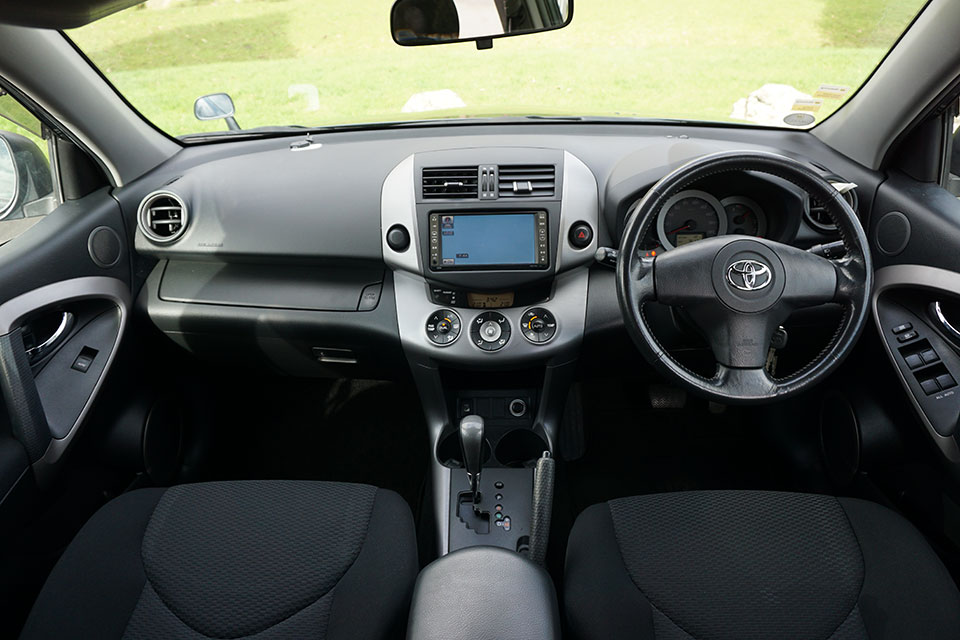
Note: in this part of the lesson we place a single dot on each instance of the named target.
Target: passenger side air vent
(162, 216)
(526, 181)
(450, 182)
(817, 215)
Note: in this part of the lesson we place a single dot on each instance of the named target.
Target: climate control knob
(538, 325)
(443, 327)
(490, 331)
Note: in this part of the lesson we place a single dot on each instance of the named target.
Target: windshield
(315, 63)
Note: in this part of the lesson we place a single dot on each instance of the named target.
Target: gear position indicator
(490, 331)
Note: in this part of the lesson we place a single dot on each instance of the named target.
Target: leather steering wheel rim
(702, 278)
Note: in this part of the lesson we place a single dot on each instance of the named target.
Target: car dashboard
(474, 248)
(461, 256)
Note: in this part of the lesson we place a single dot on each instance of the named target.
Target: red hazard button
(581, 235)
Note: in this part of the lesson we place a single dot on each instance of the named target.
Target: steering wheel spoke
(738, 340)
(813, 280)
(851, 273)
(643, 284)
(740, 382)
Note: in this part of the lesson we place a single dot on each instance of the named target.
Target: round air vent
(817, 216)
(162, 216)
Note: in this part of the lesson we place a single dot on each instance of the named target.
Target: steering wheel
(739, 289)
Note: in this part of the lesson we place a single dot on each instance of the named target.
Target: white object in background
(433, 101)
(478, 18)
(309, 91)
(768, 105)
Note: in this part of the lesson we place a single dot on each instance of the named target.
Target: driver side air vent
(450, 182)
(162, 217)
(526, 181)
(817, 215)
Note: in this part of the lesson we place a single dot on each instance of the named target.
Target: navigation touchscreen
(479, 240)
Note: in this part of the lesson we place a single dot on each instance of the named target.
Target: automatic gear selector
(471, 444)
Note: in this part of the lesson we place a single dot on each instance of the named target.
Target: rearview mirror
(419, 22)
(216, 106)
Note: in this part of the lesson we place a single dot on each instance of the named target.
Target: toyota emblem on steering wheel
(749, 275)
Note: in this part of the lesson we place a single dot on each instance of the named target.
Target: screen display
(488, 239)
(490, 300)
(687, 238)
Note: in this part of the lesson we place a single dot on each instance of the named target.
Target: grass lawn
(651, 58)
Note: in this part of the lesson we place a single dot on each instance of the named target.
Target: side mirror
(419, 22)
(216, 106)
(9, 179)
(26, 185)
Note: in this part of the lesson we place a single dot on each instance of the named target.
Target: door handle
(45, 347)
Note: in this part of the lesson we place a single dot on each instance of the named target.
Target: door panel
(57, 269)
(919, 264)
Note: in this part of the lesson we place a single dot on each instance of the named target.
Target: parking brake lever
(471, 444)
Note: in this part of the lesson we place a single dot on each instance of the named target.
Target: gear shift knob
(471, 444)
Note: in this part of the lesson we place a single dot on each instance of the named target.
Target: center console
(490, 250)
(480, 593)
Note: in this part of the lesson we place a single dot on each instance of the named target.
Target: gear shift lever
(471, 444)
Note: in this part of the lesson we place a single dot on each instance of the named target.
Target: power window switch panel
(946, 381)
(929, 386)
(82, 363)
(914, 361)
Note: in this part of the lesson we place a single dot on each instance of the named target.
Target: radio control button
(443, 327)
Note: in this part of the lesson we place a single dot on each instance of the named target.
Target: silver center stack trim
(567, 303)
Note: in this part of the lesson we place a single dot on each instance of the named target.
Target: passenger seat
(264, 559)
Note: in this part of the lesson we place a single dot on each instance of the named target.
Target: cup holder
(520, 448)
(449, 454)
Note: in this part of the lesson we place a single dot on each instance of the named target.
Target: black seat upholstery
(750, 565)
(264, 559)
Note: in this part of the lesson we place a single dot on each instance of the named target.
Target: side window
(27, 180)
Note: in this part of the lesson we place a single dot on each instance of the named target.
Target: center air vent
(162, 216)
(526, 181)
(450, 182)
(817, 214)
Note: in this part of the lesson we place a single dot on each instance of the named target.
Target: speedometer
(690, 216)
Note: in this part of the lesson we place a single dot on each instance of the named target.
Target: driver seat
(753, 564)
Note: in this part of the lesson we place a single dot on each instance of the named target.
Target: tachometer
(690, 216)
(744, 216)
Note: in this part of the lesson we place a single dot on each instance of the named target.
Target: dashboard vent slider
(527, 181)
(450, 182)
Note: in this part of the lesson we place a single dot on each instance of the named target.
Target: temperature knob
(443, 327)
(538, 325)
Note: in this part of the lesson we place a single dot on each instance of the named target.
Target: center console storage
(483, 592)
